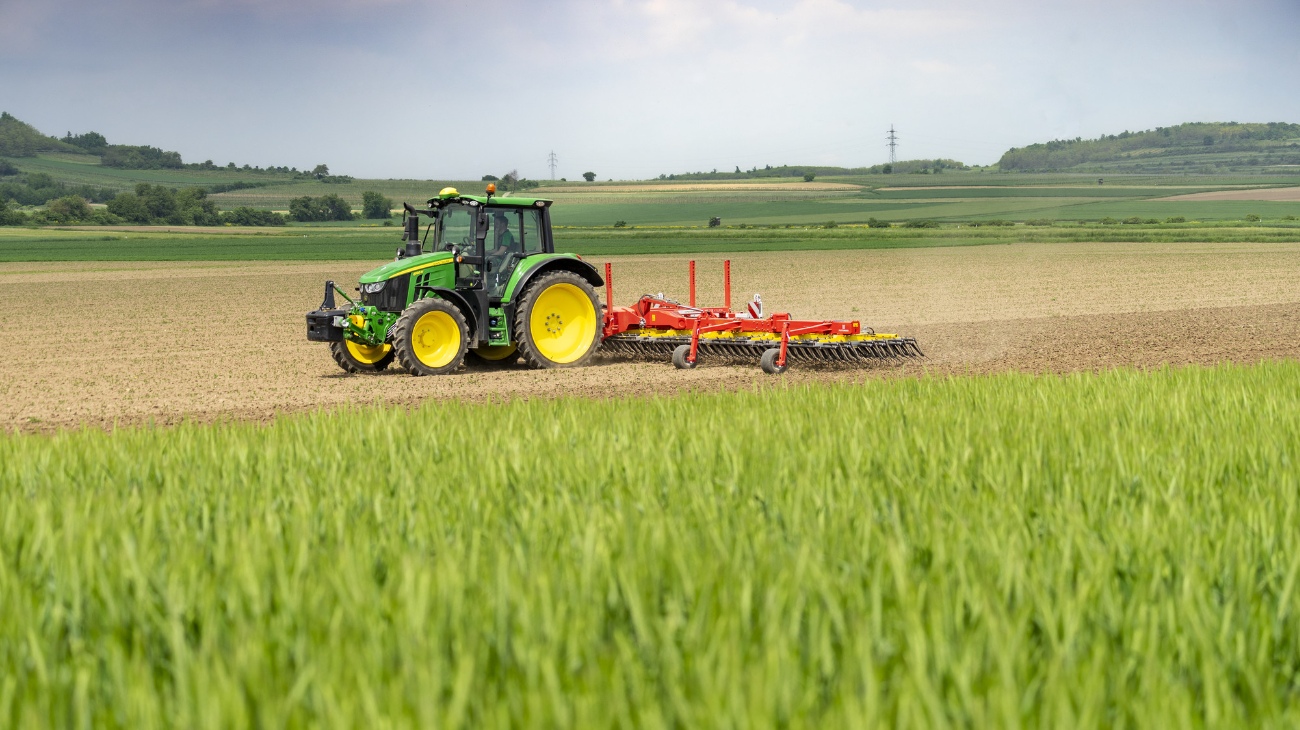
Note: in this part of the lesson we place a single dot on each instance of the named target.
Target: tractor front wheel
(557, 324)
(430, 337)
(354, 357)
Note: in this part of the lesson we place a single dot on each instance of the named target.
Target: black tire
(768, 362)
(411, 338)
(350, 363)
(474, 358)
(529, 348)
(680, 355)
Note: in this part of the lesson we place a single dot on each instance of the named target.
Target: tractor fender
(558, 263)
(456, 298)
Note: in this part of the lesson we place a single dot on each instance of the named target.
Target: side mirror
(481, 231)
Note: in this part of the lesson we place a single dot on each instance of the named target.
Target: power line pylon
(552, 160)
(893, 142)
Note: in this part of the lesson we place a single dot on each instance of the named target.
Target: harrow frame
(655, 325)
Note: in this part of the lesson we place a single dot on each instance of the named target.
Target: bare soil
(101, 344)
(695, 187)
(1286, 195)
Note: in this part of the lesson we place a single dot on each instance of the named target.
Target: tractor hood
(406, 266)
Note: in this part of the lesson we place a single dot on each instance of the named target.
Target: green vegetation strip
(1100, 549)
(326, 243)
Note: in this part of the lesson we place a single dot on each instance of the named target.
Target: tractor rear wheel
(557, 324)
(355, 357)
(430, 337)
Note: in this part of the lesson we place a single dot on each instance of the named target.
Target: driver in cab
(503, 241)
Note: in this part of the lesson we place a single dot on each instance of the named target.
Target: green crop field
(330, 242)
(1113, 549)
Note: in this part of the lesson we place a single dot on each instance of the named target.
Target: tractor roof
(509, 201)
(495, 201)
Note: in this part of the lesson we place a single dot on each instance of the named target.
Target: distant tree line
(803, 171)
(147, 205)
(158, 204)
(38, 188)
(331, 207)
(917, 167)
(511, 182)
(328, 207)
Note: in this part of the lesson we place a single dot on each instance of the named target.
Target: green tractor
(488, 287)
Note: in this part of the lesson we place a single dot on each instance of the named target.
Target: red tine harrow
(657, 327)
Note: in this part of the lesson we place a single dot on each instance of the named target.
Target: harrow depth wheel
(355, 357)
(557, 325)
(768, 362)
(680, 355)
(430, 337)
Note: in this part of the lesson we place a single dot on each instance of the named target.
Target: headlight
(374, 288)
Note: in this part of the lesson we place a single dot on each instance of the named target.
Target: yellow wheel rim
(496, 353)
(367, 354)
(563, 323)
(435, 339)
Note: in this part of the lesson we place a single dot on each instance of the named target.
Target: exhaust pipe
(411, 234)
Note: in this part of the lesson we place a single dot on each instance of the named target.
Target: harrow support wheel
(768, 362)
(355, 357)
(431, 337)
(680, 355)
(557, 324)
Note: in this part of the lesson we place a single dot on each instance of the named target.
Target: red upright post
(726, 282)
(692, 282)
(609, 286)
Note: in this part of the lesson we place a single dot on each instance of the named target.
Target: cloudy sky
(634, 88)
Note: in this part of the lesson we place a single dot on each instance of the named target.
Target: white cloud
(632, 87)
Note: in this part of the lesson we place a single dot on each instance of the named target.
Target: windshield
(455, 228)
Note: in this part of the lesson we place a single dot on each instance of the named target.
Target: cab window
(533, 231)
(455, 228)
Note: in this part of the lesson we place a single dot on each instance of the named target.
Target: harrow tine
(746, 350)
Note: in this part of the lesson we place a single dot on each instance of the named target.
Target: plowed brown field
(1276, 194)
(106, 343)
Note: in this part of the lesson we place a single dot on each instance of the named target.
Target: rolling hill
(1197, 147)
(20, 139)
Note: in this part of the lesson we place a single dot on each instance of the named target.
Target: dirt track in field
(1286, 195)
(695, 187)
(131, 343)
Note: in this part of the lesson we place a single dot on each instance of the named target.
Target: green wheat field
(1116, 549)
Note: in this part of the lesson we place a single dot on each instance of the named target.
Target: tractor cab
(489, 238)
